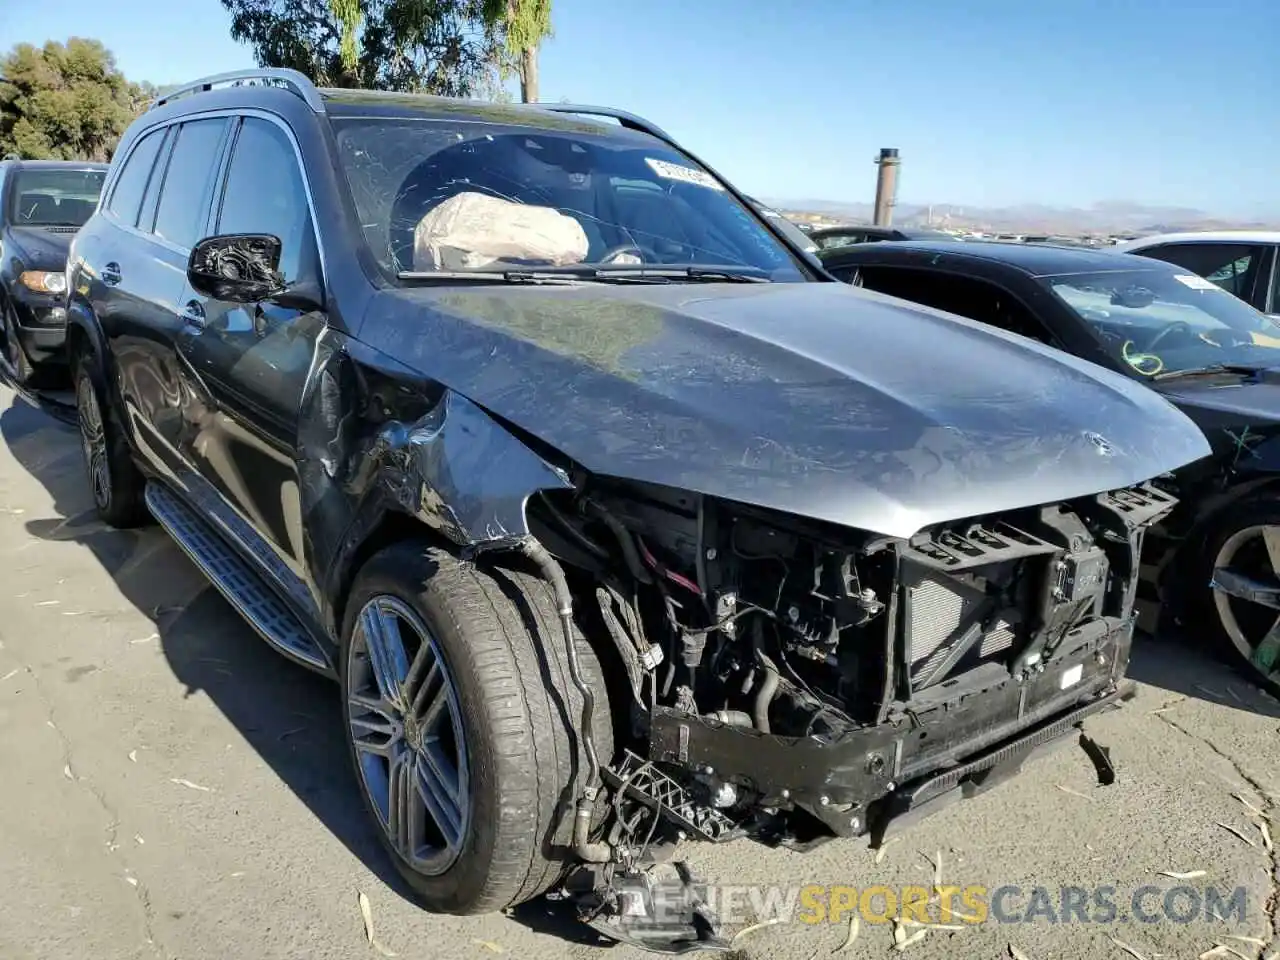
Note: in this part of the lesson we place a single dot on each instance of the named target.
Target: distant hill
(1110, 218)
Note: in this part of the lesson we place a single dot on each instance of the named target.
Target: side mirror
(237, 267)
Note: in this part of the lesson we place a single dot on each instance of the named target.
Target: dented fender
(378, 441)
(461, 473)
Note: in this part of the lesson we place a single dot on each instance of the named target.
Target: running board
(235, 579)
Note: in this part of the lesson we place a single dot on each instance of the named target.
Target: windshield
(1163, 322)
(447, 195)
(55, 198)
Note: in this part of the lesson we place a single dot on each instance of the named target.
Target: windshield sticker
(673, 171)
(1195, 283)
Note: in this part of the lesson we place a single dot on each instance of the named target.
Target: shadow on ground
(1178, 661)
(290, 716)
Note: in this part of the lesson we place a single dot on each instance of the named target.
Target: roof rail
(291, 80)
(628, 120)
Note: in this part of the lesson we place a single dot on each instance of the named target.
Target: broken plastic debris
(11, 673)
(1126, 948)
(1016, 954)
(884, 848)
(1074, 793)
(914, 938)
(187, 783)
(133, 756)
(854, 926)
(66, 772)
(1238, 833)
(1189, 875)
(154, 636)
(132, 881)
(491, 946)
(138, 839)
(747, 931)
(366, 912)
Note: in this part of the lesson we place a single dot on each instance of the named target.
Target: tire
(114, 479)
(1236, 540)
(501, 649)
(25, 372)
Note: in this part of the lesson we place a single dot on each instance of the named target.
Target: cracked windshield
(528, 479)
(444, 196)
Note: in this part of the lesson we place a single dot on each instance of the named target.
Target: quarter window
(265, 193)
(184, 199)
(126, 197)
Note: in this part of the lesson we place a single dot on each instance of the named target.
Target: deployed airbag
(472, 230)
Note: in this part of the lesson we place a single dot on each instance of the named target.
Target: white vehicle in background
(1242, 262)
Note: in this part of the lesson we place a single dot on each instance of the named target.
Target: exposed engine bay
(791, 681)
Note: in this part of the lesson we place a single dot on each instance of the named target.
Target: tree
(65, 101)
(421, 46)
(522, 25)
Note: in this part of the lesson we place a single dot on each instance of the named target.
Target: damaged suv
(525, 427)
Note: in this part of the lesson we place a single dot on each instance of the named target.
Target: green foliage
(520, 26)
(65, 101)
(417, 46)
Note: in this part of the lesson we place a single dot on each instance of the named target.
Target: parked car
(525, 427)
(828, 237)
(42, 205)
(1242, 262)
(1210, 353)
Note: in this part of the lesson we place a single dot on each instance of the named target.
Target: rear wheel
(114, 478)
(1241, 561)
(462, 723)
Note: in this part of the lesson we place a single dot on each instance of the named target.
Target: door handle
(193, 313)
(111, 274)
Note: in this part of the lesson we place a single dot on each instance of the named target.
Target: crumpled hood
(816, 399)
(38, 249)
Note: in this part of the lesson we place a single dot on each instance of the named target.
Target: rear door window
(188, 182)
(131, 184)
(1234, 267)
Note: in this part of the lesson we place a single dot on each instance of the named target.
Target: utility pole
(886, 185)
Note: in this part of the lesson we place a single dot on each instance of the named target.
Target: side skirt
(242, 586)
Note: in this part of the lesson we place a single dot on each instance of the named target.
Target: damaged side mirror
(245, 268)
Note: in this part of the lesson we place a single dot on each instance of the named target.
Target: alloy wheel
(93, 440)
(1246, 593)
(406, 727)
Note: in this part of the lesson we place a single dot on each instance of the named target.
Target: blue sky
(991, 102)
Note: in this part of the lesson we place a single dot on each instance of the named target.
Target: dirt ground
(174, 789)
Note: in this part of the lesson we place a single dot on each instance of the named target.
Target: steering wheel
(646, 254)
(1162, 334)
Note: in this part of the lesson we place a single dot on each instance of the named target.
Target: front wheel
(1241, 562)
(464, 725)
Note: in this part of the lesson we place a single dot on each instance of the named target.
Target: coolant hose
(554, 574)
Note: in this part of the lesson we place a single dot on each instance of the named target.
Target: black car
(832, 237)
(524, 426)
(1214, 356)
(42, 205)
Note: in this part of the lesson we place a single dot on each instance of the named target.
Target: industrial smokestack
(886, 185)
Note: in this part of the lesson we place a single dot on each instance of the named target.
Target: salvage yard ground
(173, 789)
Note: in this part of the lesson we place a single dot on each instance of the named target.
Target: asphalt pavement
(171, 788)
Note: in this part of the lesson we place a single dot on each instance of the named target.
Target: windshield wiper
(486, 276)
(587, 274)
(1211, 369)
